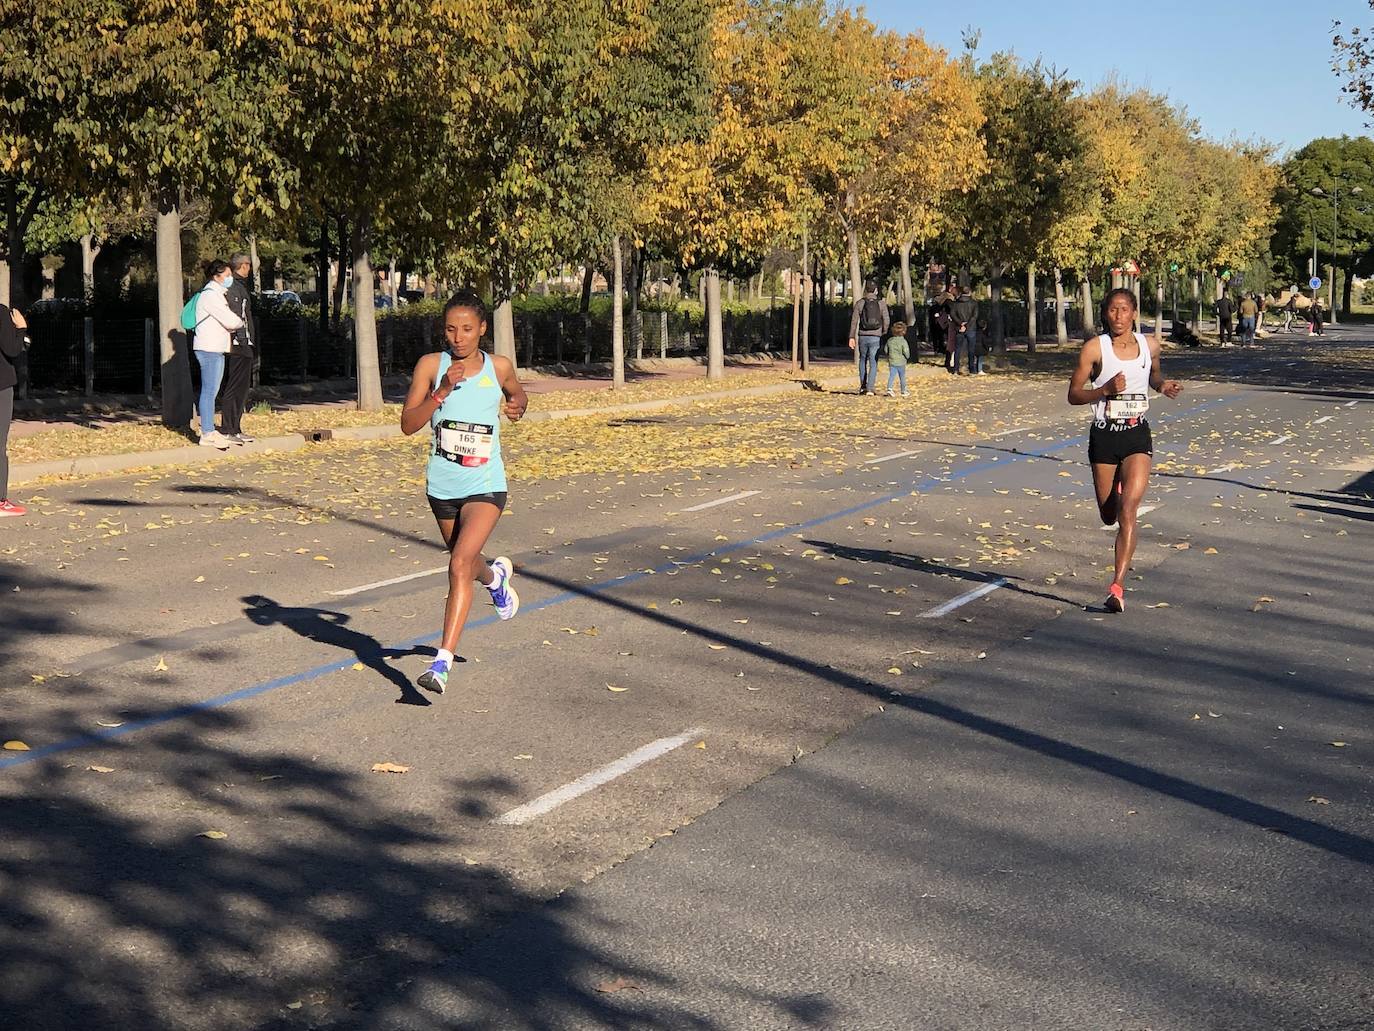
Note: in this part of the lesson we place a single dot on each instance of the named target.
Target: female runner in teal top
(461, 393)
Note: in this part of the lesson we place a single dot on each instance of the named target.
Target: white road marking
(1350, 404)
(1222, 469)
(1008, 433)
(1324, 418)
(721, 501)
(1142, 510)
(1282, 440)
(888, 458)
(965, 598)
(387, 583)
(532, 810)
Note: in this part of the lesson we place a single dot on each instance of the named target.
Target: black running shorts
(1111, 442)
(448, 508)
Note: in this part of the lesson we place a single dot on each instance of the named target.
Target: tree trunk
(256, 262)
(176, 362)
(365, 319)
(340, 281)
(856, 272)
(1089, 316)
(90, 250)
(1197, 301)
(1345, 293)
(908, 302)
(617, 317)
(1159, 310)
(1061, 324)
(1135, 290)
(322, 275)
(999, 340)
(503, 315)
(715, 333)
(588, 274)
(636, 286)
(796, 316)
(392, 288)
(805, 289)
(1032, 316)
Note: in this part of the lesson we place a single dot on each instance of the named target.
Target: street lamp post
(1335, 214)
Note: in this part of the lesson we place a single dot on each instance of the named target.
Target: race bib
(467, 443)
(1126, 407)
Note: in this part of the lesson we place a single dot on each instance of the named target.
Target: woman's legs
(6, 414)
(465, 537)
(211, 373)
(1134, 473)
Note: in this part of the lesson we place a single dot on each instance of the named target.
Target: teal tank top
(465, 455)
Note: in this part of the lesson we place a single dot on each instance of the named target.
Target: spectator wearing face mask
(215, 327)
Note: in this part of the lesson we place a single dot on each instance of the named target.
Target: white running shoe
(503, 595)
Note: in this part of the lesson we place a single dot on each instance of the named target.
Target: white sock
(445, 657)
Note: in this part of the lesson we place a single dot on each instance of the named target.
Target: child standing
(897, 355)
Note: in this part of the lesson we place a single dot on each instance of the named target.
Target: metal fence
(77, 354)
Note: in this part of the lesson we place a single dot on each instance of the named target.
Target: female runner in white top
(1114, 374)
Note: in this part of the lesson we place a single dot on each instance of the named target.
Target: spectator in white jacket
(215, 325)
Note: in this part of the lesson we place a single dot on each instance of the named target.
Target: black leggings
(6, 414)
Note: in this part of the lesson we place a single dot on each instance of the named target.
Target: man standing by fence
(868, 323)
(238, 375)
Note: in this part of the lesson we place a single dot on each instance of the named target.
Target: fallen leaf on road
(1214, 715)
(1319, 800)
(1334, 744)
(101, 769)
(199, 580)
(389, 768)
(109, 723)
(16, 746)
(897, 670)
(1211, 551)
(700, 744)
(612, 687)
(37, 678)
(524, 757)
(358, 665)
(161, 666)
(1182, 546)
(214, 835)
(842, 581)
(616, 984)
(716, 647)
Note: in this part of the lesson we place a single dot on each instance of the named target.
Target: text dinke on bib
(1127, 407)
(466, 443)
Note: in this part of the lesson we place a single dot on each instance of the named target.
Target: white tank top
(1133, 402)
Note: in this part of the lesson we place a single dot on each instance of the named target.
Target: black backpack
(871, 315)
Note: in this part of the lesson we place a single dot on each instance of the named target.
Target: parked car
(279, 297)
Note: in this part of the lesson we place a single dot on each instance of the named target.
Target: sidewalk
(559, 394)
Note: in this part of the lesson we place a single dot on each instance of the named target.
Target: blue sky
(1258, 69)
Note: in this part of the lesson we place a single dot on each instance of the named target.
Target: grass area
(116, 432)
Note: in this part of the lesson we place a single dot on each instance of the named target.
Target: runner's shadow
(328, 627)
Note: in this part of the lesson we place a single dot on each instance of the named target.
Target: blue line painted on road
(220, 701)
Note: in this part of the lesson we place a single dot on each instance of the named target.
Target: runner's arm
(516, 399)
(422, 401)
(1081, 390)
(1168, 387)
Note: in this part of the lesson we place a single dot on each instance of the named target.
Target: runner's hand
(514, 409)
(455, 375)
(1117, 385)
(1170, 388)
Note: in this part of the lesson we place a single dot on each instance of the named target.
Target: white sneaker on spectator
(215, 439)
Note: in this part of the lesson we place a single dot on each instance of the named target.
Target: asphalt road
(840, 740)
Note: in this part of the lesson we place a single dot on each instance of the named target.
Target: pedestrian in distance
(14, 337)
(963, 315)
(1318, 315)
(1225, 309)
(1249, 311)
(238, 369)
(868, 322)
(897, 355)
(1289, 310)
(460, 394)
(1114, 374)
(215, 324)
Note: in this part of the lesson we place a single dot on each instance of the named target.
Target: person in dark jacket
(963, 313)
(868, 324)
(14, 335)
(1225, 309)
(238, 373)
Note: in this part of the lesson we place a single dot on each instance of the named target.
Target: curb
(104, 465)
